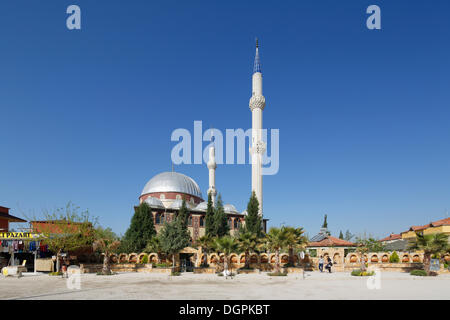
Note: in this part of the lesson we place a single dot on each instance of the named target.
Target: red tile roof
(392, 236)
(438, 223)
(330, 241)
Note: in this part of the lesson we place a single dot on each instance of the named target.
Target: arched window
(202, 221)
(236, 223)
(178, 197)
(162, 197)
(190, 221)
(157, 218)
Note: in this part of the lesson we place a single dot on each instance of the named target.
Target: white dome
(202, 206)
(172, 182)
(229, 208)
(154, 202)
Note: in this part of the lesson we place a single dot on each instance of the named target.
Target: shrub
(162, 265)
(144, 259)
(359, 273)
(394, 258)
(277, 274)
(175, 273)
(101, 274)
(55, 274)
(421, 273)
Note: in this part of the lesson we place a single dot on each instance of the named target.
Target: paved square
(242, 287)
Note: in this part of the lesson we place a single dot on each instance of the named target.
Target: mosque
(165, 192)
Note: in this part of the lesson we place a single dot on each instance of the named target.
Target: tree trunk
(247, 260)
(291, 256)
(363, 263)
(173, 261)
(225, 264)
(427, 262)
(277, 260)
(106, 268)
(58, 265)
(205, 258)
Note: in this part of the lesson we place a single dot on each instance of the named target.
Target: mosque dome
(172, 182)
(202, 206)
(154, 202)
(229, 208)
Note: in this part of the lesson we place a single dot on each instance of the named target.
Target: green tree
(154, 245)
(341, 235)
(277, 239)
(67, 229)
(205, 242)
(209, 218)
(221, 227)
(394, 258)
(174, 237)
(106, 242)
(325, 223)
(140, 231)
(183, 214)
(248, 242)
(430, 244)
(295, 240)
(226, 245)
(348, 235)
(253, 220)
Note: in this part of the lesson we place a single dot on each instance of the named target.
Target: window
(190, 221)
(178, 197)
(162, 197)
(158, 218)
(202, 221)
(236, 224)
(229, 222)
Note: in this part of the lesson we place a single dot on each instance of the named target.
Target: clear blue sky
(86, 116)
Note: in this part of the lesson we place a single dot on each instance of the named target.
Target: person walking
(321, 264)
(329, 265)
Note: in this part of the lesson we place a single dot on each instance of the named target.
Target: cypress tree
(221, 227)
(209, 219)
(183, 215)
(341, 235)
(253, 221)
(141, 229)
(325, 223)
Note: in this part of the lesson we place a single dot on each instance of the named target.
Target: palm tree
(106, 242)
(154, 245)
(295, 240)
(277, 238)
(226, 245)
(248, 242)
(430, 244)
(205, 242)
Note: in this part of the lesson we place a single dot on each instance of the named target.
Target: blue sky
(86, 116)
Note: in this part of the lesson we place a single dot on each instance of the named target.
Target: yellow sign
(18, 235)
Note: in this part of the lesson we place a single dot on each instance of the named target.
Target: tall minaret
(257, 104)
(212, 174)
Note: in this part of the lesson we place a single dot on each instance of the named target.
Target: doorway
(186, 264)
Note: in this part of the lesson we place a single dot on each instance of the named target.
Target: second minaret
(257, 104)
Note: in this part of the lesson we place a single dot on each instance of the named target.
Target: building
(6, 218)
(165, 192)
(439, 226)
(325, 245)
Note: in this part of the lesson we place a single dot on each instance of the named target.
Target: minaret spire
(257, 104)
(212, 173)
(257, 63)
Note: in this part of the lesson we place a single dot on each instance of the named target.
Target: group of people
(328, 265)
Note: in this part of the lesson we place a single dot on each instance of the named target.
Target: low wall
(204, 270)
